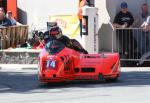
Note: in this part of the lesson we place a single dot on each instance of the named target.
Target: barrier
(13, 36)
(24, 56)
(133, 44)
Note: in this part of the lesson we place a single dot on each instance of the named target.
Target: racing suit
(70, 43)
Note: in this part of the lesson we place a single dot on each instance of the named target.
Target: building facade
(36, 13)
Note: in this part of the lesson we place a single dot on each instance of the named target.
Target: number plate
(51, 64)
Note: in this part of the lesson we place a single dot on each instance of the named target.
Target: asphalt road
(22, 86)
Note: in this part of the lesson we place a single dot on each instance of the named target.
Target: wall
(107, 10)
(39, 11)
(148, 2)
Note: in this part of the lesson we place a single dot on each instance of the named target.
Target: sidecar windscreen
(54, 46)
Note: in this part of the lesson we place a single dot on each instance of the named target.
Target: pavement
(35, 66)
(18, 66)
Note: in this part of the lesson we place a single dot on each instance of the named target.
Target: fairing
(69, 65)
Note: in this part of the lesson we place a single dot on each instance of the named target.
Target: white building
(36, 13)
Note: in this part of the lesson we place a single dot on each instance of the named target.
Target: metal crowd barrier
(13, 36)
(133, 44)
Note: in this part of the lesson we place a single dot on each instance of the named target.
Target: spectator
(11, 18)
(3, 20)
(143, 37)
(2, 9)
(124, 19)
(146, 25)
(82, 3)
(146, 34)
(145, 40)
(142, 16)
(145, 13)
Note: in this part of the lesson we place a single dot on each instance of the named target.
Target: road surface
(18, 85)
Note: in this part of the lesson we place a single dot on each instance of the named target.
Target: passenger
(124, 19)
(3, 20)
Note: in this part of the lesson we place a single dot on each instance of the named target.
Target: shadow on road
(18, 82)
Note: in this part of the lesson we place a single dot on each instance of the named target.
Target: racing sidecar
(57, 63)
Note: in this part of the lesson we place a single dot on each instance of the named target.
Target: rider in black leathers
(56, 33)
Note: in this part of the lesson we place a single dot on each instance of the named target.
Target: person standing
(10, 17)
(3, 20)
(146, 43)
(142, 37)
(82, 21)
(124, 20)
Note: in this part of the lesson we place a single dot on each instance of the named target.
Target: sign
(68, 23)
